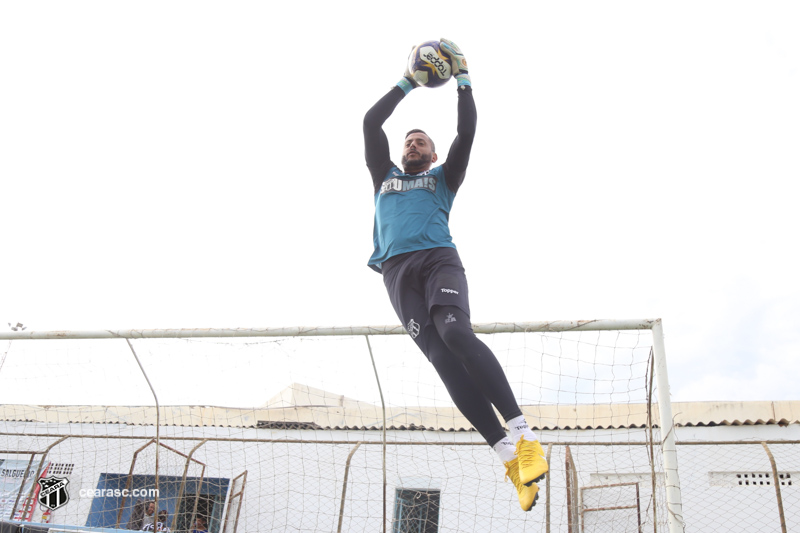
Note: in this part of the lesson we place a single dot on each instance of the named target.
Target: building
(310, 460)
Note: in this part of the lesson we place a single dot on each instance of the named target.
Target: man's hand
(457, 61)
(407, 82)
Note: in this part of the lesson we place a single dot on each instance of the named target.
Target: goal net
(326, 429)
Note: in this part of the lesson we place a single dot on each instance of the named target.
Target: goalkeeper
(426, 281)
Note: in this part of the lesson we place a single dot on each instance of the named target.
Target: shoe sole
(537, 480)
(535, 499)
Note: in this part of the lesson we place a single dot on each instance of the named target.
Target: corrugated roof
(302, 407)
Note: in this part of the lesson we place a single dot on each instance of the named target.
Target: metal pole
(158, 423)
(547, 487)
(349, 331)
(239, 506)
(182, 488)
(568, 469)
(668, 449)
(231, 497)
(638, 510)
(652, 455)
(22, 487)
(344, 486)
(777, 483)
(193, 518)
(383, 433)
(128, 483)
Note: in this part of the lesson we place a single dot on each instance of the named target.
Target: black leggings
(470, 372)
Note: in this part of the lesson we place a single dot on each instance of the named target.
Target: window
(208, 493)
(416, 511)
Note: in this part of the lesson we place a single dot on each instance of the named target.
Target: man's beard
(416, 165)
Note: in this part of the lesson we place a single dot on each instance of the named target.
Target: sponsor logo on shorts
(412, 328)
(449, 318)
(450, 291)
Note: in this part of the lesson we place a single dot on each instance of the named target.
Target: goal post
(567, 373)
(670, 452)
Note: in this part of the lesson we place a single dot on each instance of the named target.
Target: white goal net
(327, 429)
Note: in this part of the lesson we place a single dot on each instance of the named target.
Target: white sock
(505, 450)
(519, 428)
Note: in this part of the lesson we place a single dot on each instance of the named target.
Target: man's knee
(431, 343)
(454, 328)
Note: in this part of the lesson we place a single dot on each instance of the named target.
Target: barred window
(416, 511)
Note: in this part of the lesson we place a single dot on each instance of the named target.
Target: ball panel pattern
(429, 65)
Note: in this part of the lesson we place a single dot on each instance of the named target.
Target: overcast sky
(200, 164)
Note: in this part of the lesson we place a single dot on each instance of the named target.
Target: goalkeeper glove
(407, 82)
(457, 61)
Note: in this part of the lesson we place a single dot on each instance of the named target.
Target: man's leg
(410, 280)
(455, 329)
(465, 393)
(474, 405)
(406, 286)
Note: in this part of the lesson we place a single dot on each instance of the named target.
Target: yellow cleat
(528, 494)
(532, 464)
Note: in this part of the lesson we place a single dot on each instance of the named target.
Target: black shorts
(418, 281)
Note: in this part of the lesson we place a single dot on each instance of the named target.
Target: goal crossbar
(301, 331)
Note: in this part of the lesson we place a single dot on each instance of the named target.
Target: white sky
(199, 164)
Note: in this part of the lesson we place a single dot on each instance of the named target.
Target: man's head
(150, 508)
(419, 152)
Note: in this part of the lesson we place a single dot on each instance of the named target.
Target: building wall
(297, 485)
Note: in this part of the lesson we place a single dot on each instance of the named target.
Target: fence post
(777, 482)
(383, 433)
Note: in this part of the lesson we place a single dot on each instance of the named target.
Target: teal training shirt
(411, 213)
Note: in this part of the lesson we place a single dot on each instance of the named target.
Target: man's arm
(455, 168)
(376, 145)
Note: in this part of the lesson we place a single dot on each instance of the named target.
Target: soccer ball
(429, 65)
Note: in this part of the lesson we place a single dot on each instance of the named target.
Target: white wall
(298, 486)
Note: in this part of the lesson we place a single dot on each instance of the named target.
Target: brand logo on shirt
(401, 185)
(450, 318)
(451, 291)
